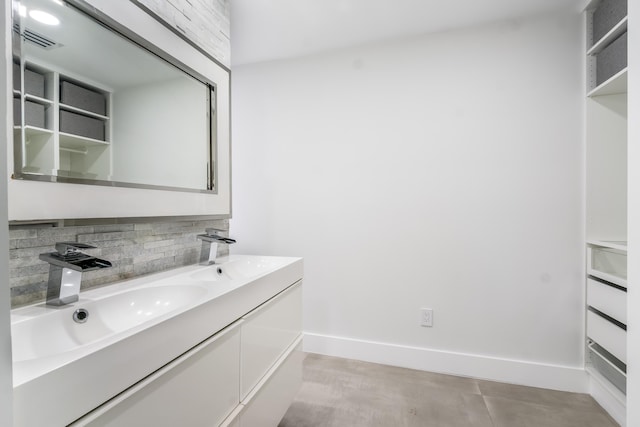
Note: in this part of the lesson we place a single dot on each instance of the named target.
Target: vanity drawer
(268, 403)
(608, 299)
(607, 264)
(607, 334)
(266, 334)
(200, 388)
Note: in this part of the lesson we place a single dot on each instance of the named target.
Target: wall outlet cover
(426, 317)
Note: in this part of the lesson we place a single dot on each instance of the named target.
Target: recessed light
(44, 17)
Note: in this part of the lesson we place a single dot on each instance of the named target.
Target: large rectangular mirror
(92, 106)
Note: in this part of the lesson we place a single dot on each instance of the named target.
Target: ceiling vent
(37, 39)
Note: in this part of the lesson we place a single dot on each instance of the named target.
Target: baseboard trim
(556, 377)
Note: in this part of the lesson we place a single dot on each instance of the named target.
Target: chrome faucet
(66, 266)
(210, 241)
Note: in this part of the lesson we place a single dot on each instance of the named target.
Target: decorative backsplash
(133, 249)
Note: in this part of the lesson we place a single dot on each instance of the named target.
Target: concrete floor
(347, 393)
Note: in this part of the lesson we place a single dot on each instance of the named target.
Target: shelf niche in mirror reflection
(93, 107)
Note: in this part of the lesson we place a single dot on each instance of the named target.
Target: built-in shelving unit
(606, 201)
(614, 85)
(613, 34)
(62, 124)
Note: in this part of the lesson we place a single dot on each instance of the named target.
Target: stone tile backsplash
(133, 249)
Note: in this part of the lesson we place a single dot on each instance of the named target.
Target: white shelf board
(618, 29)
(33, 170)
(75, 174)
(77, 142)
(83, 112)
(615, 85)
(32, 130)
(38, 99)
(612, 244)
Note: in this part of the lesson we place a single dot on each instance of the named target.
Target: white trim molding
(522, 372)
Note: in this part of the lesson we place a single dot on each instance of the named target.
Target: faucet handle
(67, 248)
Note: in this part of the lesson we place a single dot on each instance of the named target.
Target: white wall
(441, 171)
(160, 120)
(633, 260)
(6, 383)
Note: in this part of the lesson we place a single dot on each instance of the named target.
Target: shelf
(38, 99)
(76, 142)
(32, 131)
(33, 170)
(83, 112)
(615, 85)
(618, 29)
(611, 244)
(76, 174)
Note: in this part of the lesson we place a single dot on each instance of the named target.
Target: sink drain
(219, 270)
(80, 315)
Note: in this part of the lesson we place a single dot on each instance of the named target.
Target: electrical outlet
(426, 317)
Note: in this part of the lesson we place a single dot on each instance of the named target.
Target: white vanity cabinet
(245, 375)
(267, 333)
(199, 388)
(271, 359)
(269, 401)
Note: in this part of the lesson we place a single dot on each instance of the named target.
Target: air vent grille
(36, 39)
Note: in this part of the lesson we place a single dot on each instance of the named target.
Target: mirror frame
(119, 30)
(35, 199)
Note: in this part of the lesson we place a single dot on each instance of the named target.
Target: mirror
(91, 106)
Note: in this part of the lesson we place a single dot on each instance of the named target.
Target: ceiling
(85, 48)
(263, 30)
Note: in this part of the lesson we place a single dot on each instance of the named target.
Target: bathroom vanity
(214, 345)
(118, 114)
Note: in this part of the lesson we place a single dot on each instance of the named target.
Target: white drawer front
(267, 407)
(200, 388)
(611, 337)
(607, 299)
(607, 264)
(266, 334)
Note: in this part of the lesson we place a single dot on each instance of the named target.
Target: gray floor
(347, 393)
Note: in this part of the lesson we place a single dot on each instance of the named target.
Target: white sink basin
(56, 332)
(239, 268)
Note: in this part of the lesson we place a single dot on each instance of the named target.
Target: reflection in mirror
(91, 106)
